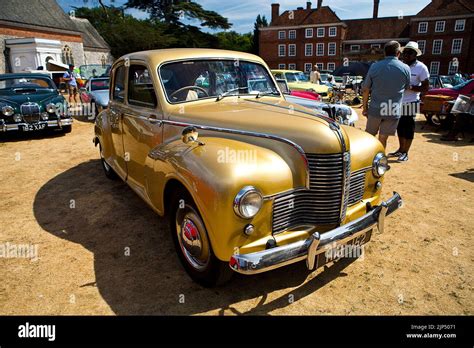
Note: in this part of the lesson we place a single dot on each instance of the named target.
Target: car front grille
(357, 186)
(321, 204)
(30, 112)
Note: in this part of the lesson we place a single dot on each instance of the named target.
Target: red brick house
(301, 38)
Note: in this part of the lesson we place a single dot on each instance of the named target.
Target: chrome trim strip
(239, 132)
(269, 259)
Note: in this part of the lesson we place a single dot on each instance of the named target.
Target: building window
(437, 46)
(281, 66)
(460, 24)
(291, 50)
(320, 49)
(422, 27)
(453, 67)
(331, 66)
(320, 32)
(68, 58)
(355, 48)
(434, 68)
(281, 50)
(292, 34)
(292, 66)
(457, 46)
(375, 46)
(332, 31)
(439, 27)
(422, 45)
(332, 49)
(320, 66)
(308, 50)
(309, 32)
(282, 35)
(307, 67)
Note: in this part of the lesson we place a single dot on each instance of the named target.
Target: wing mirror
(190, 135)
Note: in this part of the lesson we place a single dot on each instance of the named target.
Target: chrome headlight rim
(8, 110)
(380, 162)
(51, 108)
(240, 199)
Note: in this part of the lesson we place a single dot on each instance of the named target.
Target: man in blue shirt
(71, 83)
(385, 84)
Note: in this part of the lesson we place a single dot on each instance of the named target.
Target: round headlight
(51, 108)
(380, 165)
(7, 110)
(248, 202)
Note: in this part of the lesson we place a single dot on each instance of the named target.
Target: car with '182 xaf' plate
(248, 181)
(31, 102)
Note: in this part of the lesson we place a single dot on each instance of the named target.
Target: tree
(173, 11)
(260, 22)
(231, 40)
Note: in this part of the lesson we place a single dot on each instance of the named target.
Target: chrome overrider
(316, 244)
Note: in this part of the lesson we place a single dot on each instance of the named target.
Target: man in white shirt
(419, 83)
(315, 76)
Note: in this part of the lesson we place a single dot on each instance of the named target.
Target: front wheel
(67, 129)
(193, 245)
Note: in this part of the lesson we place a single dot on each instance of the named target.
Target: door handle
(153, 119)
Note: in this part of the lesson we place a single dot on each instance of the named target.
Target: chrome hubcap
(192, 238)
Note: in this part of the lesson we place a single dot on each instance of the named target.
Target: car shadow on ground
(15, 136)
(466, 175)
(136, 268)
(434, 133)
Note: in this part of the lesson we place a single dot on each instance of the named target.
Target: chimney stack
(275, 12)
(320, 3)
(308, 5)
(376, 8)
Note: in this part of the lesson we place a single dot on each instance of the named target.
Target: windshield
(461, 85)
(98, 84)
(94, 70)
(296, 77)
(26, 83)
(199, 79)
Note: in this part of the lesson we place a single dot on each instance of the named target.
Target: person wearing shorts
(419, 83)
(384, 85)
(71, 83)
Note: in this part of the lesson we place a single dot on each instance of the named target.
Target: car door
(142, 122)
(117, 104)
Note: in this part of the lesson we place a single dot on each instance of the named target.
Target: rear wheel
(193, 245)
(109, 172)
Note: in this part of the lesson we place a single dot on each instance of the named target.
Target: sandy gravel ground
(101, 250)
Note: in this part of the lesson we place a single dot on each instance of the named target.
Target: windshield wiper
(225, 94)
(262, 94)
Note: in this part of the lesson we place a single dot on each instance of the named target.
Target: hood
(40, 97)
(267, 115)
(308, 85)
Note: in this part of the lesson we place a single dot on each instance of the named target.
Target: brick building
(298, 39)
(33, 33)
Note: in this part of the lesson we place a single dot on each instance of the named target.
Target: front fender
(213, 174)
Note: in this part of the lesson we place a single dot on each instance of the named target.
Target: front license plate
(33, 127)
(352, 249)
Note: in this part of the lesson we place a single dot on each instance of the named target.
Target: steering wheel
(182, 89)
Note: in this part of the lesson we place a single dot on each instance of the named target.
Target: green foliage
(260, 22)
(231, 40)
(173, 11)
(125, 33)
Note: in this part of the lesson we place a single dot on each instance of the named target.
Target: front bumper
(316, 244)
(5, 127)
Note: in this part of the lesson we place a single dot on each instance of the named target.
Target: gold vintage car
(249, 181)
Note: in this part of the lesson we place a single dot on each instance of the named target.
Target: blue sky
(242, 13)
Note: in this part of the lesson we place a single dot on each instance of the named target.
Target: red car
(306, 94)
(465, 88)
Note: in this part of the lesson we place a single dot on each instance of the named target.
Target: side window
(140, 87)
(119, 84)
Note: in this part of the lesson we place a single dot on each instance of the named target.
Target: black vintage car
(31, 102)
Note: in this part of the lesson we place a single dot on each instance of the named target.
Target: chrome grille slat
(321, 204)
(357, 186)
(30, 112)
